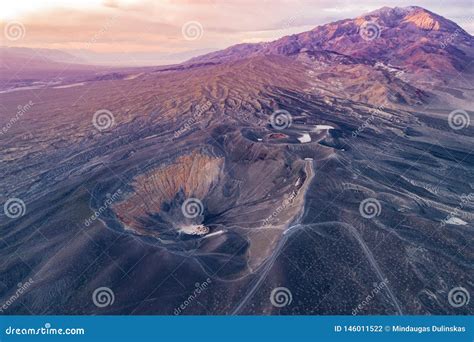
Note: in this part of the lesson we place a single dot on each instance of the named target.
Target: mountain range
(392, 49)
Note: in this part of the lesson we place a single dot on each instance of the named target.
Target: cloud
(156, 26)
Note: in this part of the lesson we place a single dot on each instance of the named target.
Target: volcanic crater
(208, 197)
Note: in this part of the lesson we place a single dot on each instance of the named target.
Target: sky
(174, 30)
